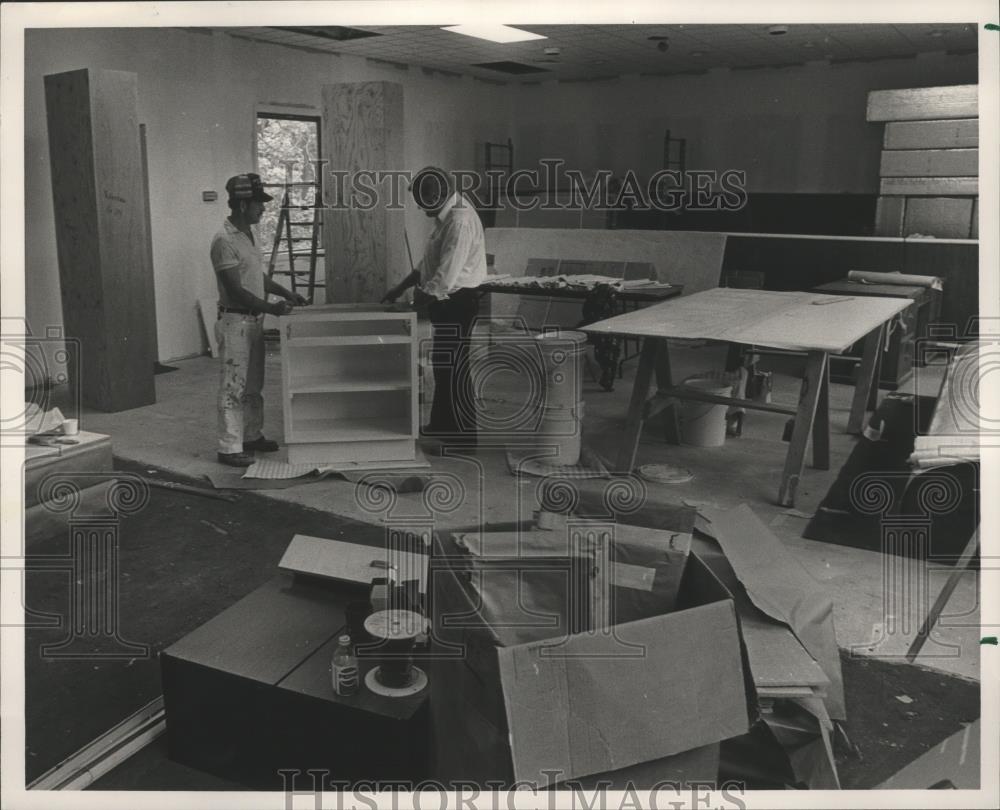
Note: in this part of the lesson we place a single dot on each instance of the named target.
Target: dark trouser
(453, 411)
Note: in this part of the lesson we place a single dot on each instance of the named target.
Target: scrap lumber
(924, 103)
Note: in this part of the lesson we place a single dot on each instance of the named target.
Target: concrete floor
(178, 433)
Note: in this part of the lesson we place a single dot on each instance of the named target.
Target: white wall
(793, 130)
(198, 96)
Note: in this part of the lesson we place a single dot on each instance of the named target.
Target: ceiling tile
(589, 51)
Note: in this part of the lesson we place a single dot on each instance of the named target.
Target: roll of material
(396, 632)
(903, 279)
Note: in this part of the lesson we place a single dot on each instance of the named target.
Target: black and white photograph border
(499, 404)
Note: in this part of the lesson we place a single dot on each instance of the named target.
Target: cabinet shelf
(328, 385)
(307, 431)
(348, 340)
(349, 382)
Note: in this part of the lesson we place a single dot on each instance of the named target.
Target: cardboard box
(779, 589)
(562, 705)
(638, 572)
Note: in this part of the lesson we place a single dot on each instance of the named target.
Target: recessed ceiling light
(494, 33)
(777, 30)
(935, 33)
(697, 53)
(808, 44)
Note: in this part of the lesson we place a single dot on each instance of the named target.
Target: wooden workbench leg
(664, 382)
(821, 425)
(949, 588)
(812, 384)
(637, 405)
(867, 385)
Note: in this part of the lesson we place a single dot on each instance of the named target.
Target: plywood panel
(930, 186)
(946, 217)
(781, 320)
(350, 562)
(542, 267)
(101, 235)
(924, 103)
(947, 134)
(930, 163)
(363, 131)
(889, 216)
(689, 258)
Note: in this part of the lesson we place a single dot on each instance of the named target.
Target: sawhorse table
(634, 296)
(818, 325)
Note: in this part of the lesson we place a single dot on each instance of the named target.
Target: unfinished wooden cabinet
(349, 383)
(105, 270)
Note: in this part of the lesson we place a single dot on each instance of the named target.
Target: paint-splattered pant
(241, 406)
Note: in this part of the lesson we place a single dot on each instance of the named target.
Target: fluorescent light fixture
(494, 33)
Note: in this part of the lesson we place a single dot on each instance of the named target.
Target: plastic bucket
(562, 355)
(703, 424)
(560, 429)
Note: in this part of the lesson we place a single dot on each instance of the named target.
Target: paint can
(703, 424)
(394, 633)
(560, 429)
(562, 354)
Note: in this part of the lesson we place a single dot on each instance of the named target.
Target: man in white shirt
(452, 267)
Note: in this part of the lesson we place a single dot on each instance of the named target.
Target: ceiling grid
(597, 51)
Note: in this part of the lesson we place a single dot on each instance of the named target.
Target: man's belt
(238, 310)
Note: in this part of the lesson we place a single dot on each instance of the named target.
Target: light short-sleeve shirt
(233, 248)
(455, 257)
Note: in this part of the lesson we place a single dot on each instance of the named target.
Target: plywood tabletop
(780, 320)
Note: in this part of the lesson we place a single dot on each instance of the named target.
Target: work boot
(260, 445)
(235, 459)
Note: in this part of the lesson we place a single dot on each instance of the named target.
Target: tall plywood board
(362, 132)
(106, 276)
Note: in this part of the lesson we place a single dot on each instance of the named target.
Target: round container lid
(395, 624)
(569, 335)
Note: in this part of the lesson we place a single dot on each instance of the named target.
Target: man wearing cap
(453, 265)
(243, 289)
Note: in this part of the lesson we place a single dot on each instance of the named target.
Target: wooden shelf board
(305, 431)
(348, 340)
(325, 384)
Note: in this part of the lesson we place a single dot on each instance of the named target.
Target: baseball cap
(247, 187)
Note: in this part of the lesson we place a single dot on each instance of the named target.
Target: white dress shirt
(455, 256)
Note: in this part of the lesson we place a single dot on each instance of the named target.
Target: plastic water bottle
(344, 667)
